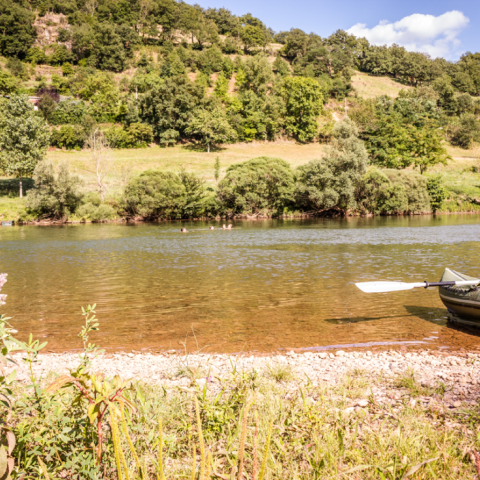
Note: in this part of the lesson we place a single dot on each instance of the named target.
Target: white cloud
(437, 36)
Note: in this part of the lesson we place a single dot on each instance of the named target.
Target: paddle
(381, 287)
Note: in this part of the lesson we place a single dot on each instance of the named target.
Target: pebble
(173, 369)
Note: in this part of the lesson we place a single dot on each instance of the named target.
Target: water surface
(265, 285)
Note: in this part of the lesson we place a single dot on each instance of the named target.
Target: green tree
(55, 194)
(437, 192)
(466, 131)
(67, 69)
(172, 66)
(281, 67)
(16, 27)
(169, 107)
(221, 86)
(377, 194)
(24, 138)
(253, 36)
(155, 194)
(257, 75)
(212, 126)
(47, 105)
(260, 185)
(303, 100)
(393, 143)
(8, 83)
(331, 182)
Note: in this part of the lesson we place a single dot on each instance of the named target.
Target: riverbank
(353, 415)
(451, 379)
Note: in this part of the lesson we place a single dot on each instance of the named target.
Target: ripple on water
(263, 286)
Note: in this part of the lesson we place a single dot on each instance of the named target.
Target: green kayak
(463, 303)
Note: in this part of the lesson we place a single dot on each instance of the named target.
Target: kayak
(463, 303)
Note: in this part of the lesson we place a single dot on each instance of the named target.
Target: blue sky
(441, 28)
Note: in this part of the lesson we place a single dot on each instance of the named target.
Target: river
(263, 286)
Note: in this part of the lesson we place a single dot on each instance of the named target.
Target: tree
(8, 83)
(55, 194)
(16, 27)
(330, 183)
(100, 150)
(253, 36)
(169, 107)
(47, 105)
(257, 75)
(437, 192)
(281, 67)
(212, 126)
(303, 99)
(24, 138)
(466, 131)
(221, 86)
(393, 143)
(155, 194)
(259, 185)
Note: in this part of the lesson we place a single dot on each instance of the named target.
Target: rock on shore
(458, 374)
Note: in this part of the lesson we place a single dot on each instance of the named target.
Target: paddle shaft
(446, 284)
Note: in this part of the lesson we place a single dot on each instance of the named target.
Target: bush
(376, 194)
(155, 194)
(36, 55)
(330, 183)
(118, 137)
(389, 192)
(141, 133)
(8, 83)
(466, 131)
(69, 137)
(69, 113)
(437, 192)
(96, 213)
(260, 185)
(137, 135)
(55, 194)
(17, 68)
(415, 185)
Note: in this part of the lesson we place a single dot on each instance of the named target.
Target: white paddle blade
(381, 287)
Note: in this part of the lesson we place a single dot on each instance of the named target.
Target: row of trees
(105, 33)
(333, 185)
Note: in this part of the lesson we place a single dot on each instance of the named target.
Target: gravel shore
(457, 375)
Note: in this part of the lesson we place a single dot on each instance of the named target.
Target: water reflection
(262, 286)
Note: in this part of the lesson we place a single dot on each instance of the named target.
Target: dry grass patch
(129, 162)
(368, 86)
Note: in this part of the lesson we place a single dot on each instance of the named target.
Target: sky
(440, 28)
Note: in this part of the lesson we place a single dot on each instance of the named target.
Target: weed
(280, 372)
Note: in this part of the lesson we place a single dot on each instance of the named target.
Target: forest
(148, 73)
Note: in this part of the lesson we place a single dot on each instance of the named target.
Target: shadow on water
(347, 320)
(435, 315)
(438, 316)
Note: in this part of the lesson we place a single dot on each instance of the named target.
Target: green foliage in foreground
(259, 424)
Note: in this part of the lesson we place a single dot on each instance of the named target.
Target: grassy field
(369, 86)
(127, 162)
(460, 175)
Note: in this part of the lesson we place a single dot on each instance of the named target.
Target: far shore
(50, 222)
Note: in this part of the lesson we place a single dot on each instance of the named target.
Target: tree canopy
(24, 137)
